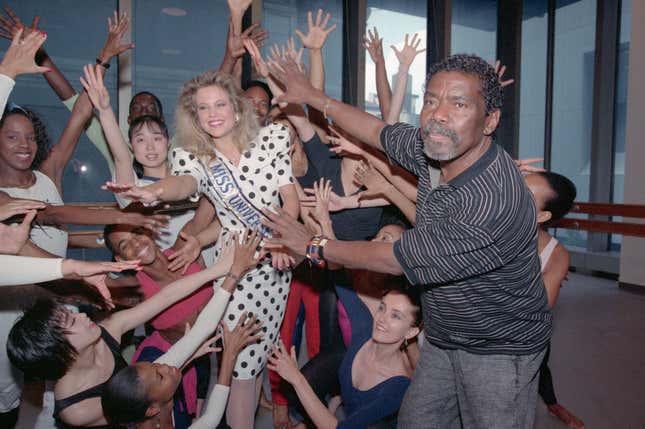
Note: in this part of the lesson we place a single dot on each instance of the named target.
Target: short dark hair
(107, 230)
(154, 97)
(259, 84)
(135, 125)
(472, 64)
(124, 399)
(564, 193)
(42, 140)
(37, 344)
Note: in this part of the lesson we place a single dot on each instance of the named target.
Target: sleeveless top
(92, 392)
(546, 253)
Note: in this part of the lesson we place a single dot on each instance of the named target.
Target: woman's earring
(237, 117)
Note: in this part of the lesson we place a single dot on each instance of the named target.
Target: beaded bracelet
(315, 250)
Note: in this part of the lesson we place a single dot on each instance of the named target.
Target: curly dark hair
(472, 64)
(42, 140)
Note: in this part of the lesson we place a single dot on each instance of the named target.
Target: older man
(473, 249)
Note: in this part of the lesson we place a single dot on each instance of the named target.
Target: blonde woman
(242, 169)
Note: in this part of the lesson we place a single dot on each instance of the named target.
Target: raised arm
(363, 126)
(98, 94)
(374, 45)
(406, 56)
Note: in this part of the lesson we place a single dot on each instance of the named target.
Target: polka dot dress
(263, 291)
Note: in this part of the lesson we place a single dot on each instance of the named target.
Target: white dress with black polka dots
(262, 170)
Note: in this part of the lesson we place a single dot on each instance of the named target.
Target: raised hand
(336, 202)
(368, 176)
(525, 165)
(235, 43)
(288, 232)
(93, 84)
(408, 53)
(114, 45)
(13, 238)
(500, 69)
(18, 207)
(284, 363)
(374, 45)
(73, 267)
(322, 192)
(134, 193)
(247, 331)
(11, 24)
(258, 62)
(245, 252)
(20, 57)
(286, 52)
(317, 35)
(342, 146)
(186, 254)
(152, 222)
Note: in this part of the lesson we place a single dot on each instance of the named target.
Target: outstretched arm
(363, 126)
(406, 56)
(171, 188)
(100, 98)
(374, 45)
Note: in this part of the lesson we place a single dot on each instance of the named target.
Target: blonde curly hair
(190, 133)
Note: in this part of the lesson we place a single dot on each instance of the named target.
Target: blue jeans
(454, 388)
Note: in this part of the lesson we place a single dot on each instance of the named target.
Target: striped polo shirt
(474, 249)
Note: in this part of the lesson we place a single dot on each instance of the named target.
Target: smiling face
(158, 381)
(80, 330)
(453, 119)
(394, 320)
(130, 243)
(150, 145)
(18, 144)
(215, 111)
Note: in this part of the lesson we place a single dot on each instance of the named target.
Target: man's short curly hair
(472, 64)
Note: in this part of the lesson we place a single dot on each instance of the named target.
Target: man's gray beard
(439, 156)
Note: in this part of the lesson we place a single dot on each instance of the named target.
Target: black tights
(545, 384)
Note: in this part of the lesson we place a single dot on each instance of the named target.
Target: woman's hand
(186, 254)
(134, 193)
(374, 45)
(281, 261)
(322, 192)
(235, 43)
(13, 238)
(368, 176)
(11, 24)
(18, 207)
(258, 62)
(342, 146)
(284, 363)
(20, 57)
(336, 202)
(93, 84)
(525, 165)
(408, 53)
(317, 35)
(205, 348)
(93, 273)
(153, 222)
(500, 69)
(244, 255)
(245, 332)
(114, 44)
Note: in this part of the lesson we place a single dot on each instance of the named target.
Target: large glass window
(621, 111)
(474, 28)
(573, 74)
(533, 82)
(392, 20)
(282, 17)
(174, 44)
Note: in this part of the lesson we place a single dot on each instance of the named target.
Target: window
(474, 28)
(533, 82)
(573, 74)
(282, 17)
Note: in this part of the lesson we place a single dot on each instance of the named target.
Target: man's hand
(500, 69)
(11, 24)
(374, 45)
(297, 85)
(288, 232)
